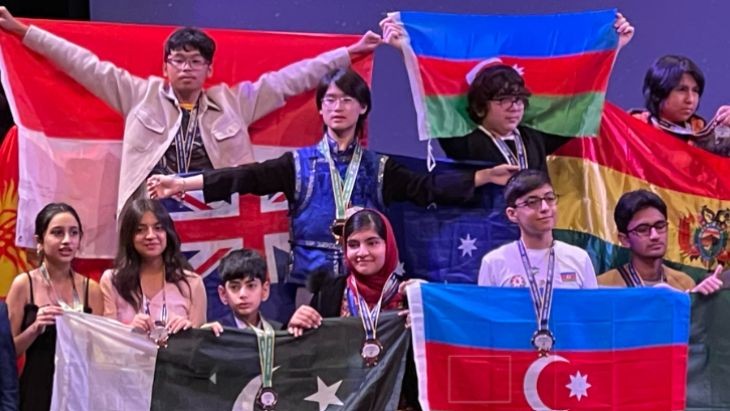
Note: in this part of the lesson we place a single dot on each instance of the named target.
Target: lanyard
(632, 278)
(342, 190)
(265, 338)
(184, 141)
(541, 301)
(76, 301)
(163, 311)
(509, 156)
(369, 317)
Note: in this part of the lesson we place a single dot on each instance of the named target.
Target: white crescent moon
(472, 74)
(530, 382)
(246, 399)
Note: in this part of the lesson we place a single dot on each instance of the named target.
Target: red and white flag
(69, 141)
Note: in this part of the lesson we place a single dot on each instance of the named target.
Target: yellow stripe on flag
(589, 193)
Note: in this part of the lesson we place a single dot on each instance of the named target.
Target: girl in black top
(38, 296)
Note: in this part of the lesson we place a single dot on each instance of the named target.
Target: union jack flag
(208, 232)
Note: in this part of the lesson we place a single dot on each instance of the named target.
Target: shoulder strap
(86, 294)
(626, 276)
(30, 282)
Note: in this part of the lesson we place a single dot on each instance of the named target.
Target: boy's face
(646, 234)
(244, 296)
(187, 70)
(340, 112)
(535, 212)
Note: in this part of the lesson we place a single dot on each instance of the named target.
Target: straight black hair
(664, 75)
(631, 203)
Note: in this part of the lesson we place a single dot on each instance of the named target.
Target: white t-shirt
(503, 267)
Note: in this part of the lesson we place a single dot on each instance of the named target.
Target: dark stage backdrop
(698, 29)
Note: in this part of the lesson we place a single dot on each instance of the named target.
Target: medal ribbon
(184, 142)
(370, 317)
(265, 338)
(632, 278)
(163, 311)
(342, 190)
(542, 302)
(521, 159)
(76, 301)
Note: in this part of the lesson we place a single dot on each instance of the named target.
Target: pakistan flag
(102, 365)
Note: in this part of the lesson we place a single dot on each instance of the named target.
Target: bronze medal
(267, 398)
(370, 352)
(338, 229)
(543, 341)
(158, 334)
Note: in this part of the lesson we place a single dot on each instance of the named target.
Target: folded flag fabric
(566, 60)
(615, 349)
(69, 147)
(102, 365)
(70, 144)
(591, 175)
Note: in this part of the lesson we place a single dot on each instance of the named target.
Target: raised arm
(271, 90)
(115, 86)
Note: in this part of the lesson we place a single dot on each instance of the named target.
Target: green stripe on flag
(606, 256)
(570, 116)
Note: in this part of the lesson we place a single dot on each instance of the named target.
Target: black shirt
(278, 175)
(477, 146)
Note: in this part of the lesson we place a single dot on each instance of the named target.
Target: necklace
(76, 302)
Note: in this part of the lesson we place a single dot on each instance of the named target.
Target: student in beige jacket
(173, 124)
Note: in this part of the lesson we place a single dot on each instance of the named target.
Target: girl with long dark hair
(152, 283)
(37, 297)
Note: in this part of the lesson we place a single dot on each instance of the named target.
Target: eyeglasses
(195, 63)
(644, 230)
(331, 101)
(510, 101)
(535, 202)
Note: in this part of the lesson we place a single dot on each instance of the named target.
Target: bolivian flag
(591, 175)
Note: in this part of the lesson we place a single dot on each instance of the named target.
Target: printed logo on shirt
(517, 281)
(569, 277)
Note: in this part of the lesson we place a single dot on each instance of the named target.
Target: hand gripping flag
(565, 59)
(615, 349)
(69, 142)
(629, 155)
(102, 365)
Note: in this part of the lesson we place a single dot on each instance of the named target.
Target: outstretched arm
(115, 86)
(269, 177)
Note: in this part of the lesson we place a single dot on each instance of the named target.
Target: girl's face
(61, 239)
(366, 251)
(150, 238)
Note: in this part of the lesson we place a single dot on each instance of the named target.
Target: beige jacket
(675, 279)
(151, 116)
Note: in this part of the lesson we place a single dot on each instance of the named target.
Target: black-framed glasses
(507, 102)
(195, 63)
(644, 230)
(535, 202)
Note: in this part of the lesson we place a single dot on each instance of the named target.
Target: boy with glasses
(536, 259)
(172, 123)
(322, 181)
(641, 219)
